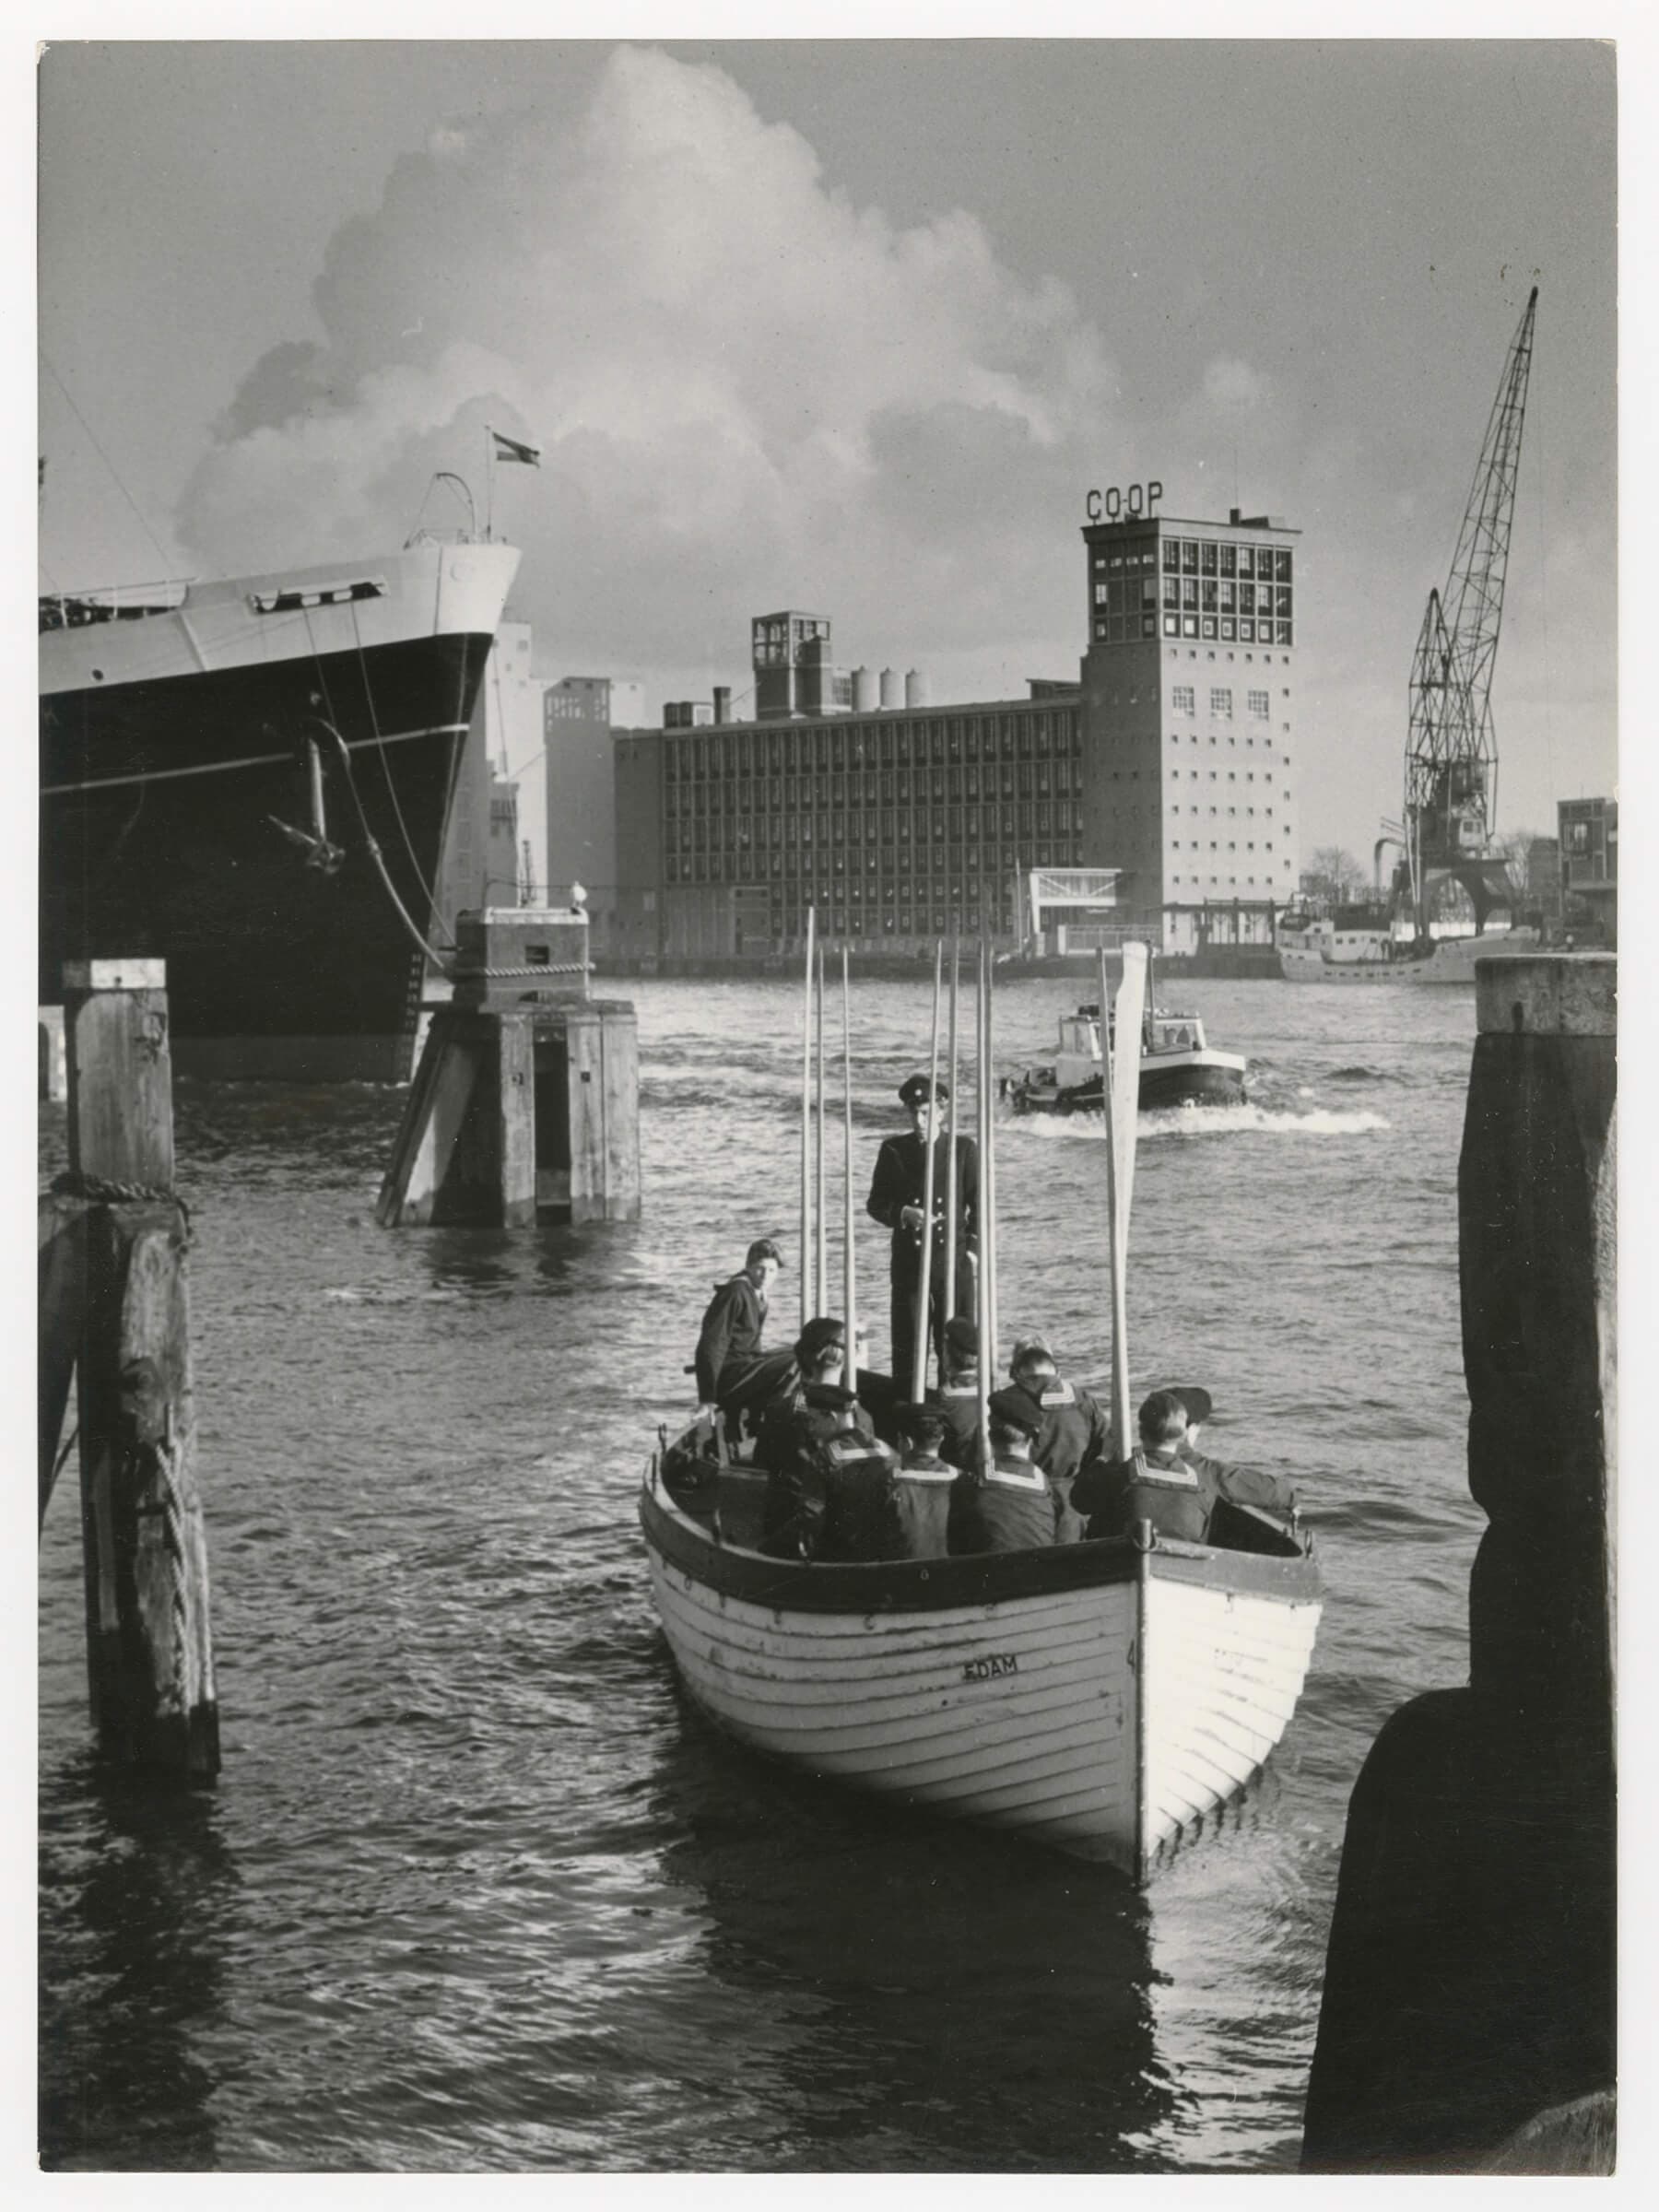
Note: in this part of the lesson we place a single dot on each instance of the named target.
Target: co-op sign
(1132, 500)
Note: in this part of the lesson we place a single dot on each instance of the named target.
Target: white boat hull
(1452, 961)
(1107, 1714)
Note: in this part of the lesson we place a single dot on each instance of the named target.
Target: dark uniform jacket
(1176, 1490)
(900, 1172)
(791, 1448)
(1073, 1430)
(875, 1509)
(729, 1345)
(1012, 1509)
(959, 1402)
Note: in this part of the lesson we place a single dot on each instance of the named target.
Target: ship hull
(1167, 1079)
(1451, 962)
(166, 782)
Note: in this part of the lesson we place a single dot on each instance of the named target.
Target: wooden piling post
(1469, 1985)
(51, 1059)
(525, 1104)
(115, 1311)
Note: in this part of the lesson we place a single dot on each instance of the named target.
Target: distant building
(1543, 898)
(1165, 772)
(1589, 847)
(511, 695)
(504, 861)
(790, 653)
(482, 864)
(578, 779)
(1188, 700)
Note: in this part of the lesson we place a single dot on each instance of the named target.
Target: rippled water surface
(475, 1890)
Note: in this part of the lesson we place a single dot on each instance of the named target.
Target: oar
(982, 1285)
(851, 1377)
(806, 1125)
(822, 1303)
(1131, 999)
(988, 1162)
(1120, 1078)
(925, 1313)
(950, 1148)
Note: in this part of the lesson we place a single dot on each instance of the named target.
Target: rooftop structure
(1169, 762)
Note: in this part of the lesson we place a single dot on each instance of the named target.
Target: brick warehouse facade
(1170, 761)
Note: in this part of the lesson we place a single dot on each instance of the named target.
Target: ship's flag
(509, 449)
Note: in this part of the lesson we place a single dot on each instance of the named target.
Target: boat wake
(1190, 1122)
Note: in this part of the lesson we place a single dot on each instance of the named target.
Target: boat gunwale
(922, 1587)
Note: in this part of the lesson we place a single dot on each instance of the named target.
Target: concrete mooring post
(525, 1106)
(1468, 2022)
(114, 1317)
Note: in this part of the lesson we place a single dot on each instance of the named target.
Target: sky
(853, 328)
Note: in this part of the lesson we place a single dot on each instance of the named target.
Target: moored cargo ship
(237, 776)
(1362, 946)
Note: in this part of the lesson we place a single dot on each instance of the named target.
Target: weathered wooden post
(527, 1102)
(115, 1314)
(51, 1064)
(1468, 2013)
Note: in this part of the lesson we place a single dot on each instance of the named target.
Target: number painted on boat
(989, 1666)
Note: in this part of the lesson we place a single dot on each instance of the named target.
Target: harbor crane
(1451, 747)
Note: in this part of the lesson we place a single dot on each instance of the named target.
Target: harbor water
(477, 1890)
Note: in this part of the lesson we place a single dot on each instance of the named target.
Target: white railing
(109, 602)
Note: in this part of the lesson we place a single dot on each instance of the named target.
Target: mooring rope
(426, 890)
(73, 1184)
(104, 1191)
(438, 960)
(506, 974)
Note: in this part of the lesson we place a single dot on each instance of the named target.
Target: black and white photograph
(827, 922)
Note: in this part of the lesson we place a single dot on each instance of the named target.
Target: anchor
(320, 852)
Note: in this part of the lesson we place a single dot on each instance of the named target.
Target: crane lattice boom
(1451, 750)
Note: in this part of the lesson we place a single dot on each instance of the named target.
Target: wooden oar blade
(1125, 1081)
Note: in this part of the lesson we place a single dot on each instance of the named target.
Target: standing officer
(897, 1190)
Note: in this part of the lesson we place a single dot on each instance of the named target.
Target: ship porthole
(98, 676)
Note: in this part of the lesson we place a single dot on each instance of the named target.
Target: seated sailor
(879, 1509)
(1167, 1483)
(790, 1434)
(1007, 1506)
(817, 1355)
(1252, 1488)
(1072, 1427)
(733, 1370)
(957, 1395)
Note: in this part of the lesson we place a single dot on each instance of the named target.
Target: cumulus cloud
(748, 389)
(1233, 387)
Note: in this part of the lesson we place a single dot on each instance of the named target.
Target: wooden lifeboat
(1101, 1697)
